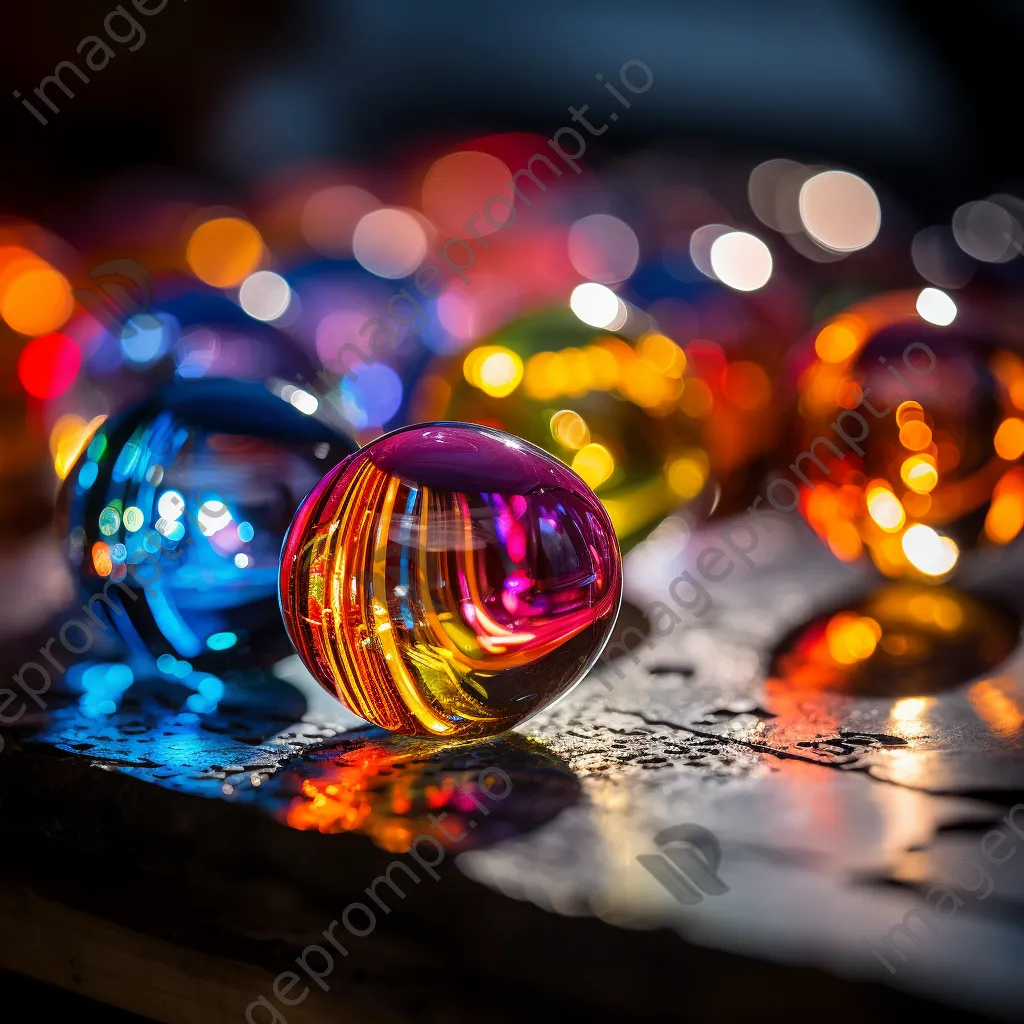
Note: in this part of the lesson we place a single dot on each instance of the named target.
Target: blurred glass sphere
(175, 511)
(910, 435)
(627, 417)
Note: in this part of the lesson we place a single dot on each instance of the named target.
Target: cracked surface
(836, 813)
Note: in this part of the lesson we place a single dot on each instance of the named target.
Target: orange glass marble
(450, 580)
(912, 434)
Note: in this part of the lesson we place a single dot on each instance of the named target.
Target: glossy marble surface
(450, 581)
(173, 516)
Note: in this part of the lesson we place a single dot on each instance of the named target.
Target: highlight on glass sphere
(450, 580)
(611, 410)
(175, 511)
(910, 435)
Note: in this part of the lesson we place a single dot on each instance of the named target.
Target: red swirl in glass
(450, 580)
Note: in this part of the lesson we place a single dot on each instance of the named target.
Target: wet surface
(262, 746)
(395, 789)
(839, 808)
(901, 639)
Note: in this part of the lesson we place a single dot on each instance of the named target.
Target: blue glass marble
(174, 516)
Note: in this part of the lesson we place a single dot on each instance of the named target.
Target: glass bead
(610, 409)
(450, 580)
(175, 512)
(910, 436)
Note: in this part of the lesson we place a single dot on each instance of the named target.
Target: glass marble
(174, 515)
(910, 437)
(611, 410)
(450, 580)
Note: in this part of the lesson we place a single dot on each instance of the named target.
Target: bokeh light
(851, 637)
(306, 403)
(938, 259)
(459, 189)
(196, 352)
(223, 251)
(701, 242)
(936, 307)
(594, 464)
(371, 396)
(920, 473)
(494, 369)
(569, 429)
(885, 508)
(170, 505)
(101, 560)
(144, 339)
(603, 248)
(265, 295)
(986, 231)
(47, 366)
(763, 191)
(1009, 439)
(746, 385)
(1005, 518)
(329, 218)
(338, 339)
(687, 474)
(741, 261)
(68, 437)
(837, 341)
(390, 242)
(929, 551)
(598, 306)
(35, 298)
(840, 211)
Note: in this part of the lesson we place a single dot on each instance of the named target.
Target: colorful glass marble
(910, 435)
(649, 423)
(450, 580)
(175, 512)
(609, 409)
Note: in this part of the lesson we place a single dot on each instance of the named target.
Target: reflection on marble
(173, 515)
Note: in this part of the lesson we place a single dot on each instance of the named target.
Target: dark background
(924, 97)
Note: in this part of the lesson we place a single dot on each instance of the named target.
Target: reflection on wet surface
(394, 789)
(257, 745)
(902, 640)
(151, 733)
(886, 764)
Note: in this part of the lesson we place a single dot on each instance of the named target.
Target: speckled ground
(836, 812)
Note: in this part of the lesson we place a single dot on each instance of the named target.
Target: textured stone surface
(835, 815)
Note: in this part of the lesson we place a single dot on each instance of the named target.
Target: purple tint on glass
(455, 456)
(450, 580)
